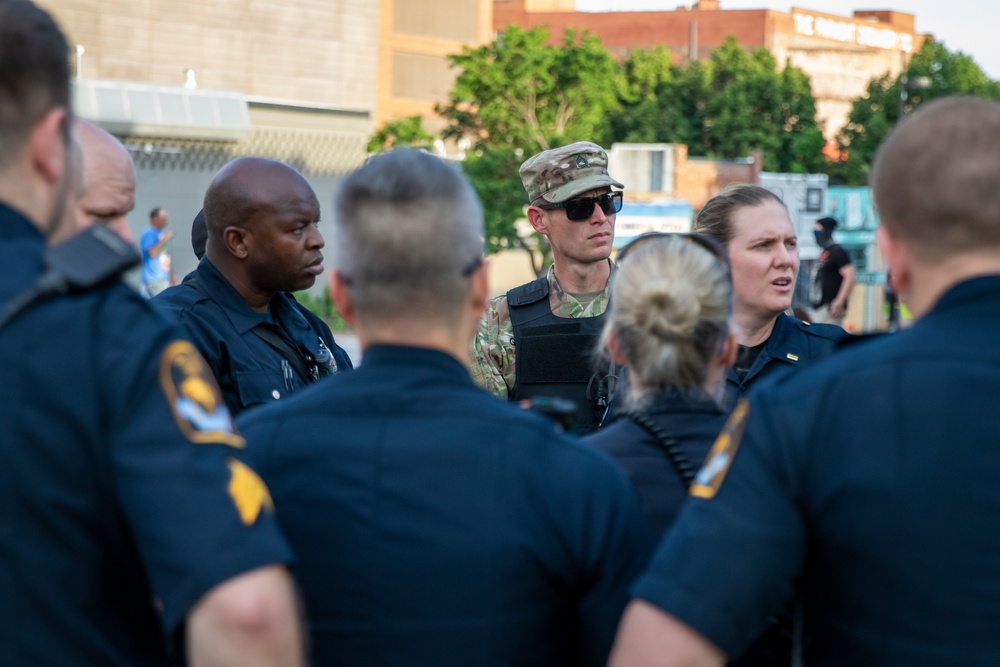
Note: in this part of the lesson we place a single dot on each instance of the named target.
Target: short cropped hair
(936, 178)
(156, 211)
(716, 217)
(407, 234)
(34, 73)
(670, 305)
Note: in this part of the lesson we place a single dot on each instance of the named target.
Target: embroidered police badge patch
(713, 472)
(194, 397)
(248, 491)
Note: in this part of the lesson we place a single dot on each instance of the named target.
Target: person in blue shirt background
(157, 273)
(875, 476)
(434, 524)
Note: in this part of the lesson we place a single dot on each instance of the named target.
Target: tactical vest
(554, 356)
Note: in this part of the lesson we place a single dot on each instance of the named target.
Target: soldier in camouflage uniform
(573, 205)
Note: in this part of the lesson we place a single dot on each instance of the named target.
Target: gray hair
(670, 305)
(407, 233)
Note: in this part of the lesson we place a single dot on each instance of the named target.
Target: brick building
(840, 54)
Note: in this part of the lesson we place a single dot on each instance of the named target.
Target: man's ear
(539, 221)
(237, 241)
(47, 145)
(341, 298)
(480, 292)
(897, 258)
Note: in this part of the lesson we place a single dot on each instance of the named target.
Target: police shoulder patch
(713, 472)
(248, 491)
(194, 397)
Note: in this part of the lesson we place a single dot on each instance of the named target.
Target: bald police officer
(538, 339)
(263, 242)
(875, 476)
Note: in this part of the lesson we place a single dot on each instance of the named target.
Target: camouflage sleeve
(492, 352)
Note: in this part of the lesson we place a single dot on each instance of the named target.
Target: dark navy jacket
(693, 421)
(436, 525)
(221, 325)
(876, 477)
(793, 343)
(115, 466)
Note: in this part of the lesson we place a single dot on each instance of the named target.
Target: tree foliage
(522, 92)
(874, 114)
(399, 133)
(737, 102)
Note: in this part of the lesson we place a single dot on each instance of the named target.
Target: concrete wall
(322, 52)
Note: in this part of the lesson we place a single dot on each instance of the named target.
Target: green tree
(933, 72)
(522, 92)
(400, 132)
(737, 102)
(516, 97)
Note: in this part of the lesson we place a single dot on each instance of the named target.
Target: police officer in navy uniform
(753, 225)
(669, 326)
(875, 476)
(433, 524)
(126, 519)
(263, 242)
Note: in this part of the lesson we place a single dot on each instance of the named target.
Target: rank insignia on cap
(248, 491)
(194, 397)
(581, 161)
(713, 472)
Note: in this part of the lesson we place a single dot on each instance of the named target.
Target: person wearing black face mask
(833, 276)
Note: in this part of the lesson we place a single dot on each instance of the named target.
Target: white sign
(847, 31)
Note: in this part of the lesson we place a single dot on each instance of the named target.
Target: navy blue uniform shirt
(875, 476)
(436, 525)
(792, 344)
(694, 422)
(250, 370)
(116, 465)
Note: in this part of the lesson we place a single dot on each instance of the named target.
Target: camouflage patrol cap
(562, 173)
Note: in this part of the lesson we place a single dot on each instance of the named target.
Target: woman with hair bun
(669, 326)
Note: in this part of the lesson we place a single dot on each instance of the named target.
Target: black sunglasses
(581, 208)
(706, 242)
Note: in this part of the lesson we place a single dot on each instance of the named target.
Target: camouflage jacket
(493, 346)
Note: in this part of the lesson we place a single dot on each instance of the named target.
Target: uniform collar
(782, 345)
(398, 356)
(243, 317)
(971, 293)
(22, 251)
(674, 400)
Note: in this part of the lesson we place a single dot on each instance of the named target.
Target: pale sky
(969, 26)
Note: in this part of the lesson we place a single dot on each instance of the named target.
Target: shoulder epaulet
(828, 331)
(536, 290)
(854, 339)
